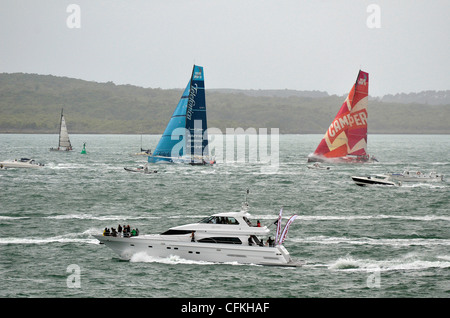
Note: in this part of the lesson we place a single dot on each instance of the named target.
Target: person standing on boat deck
(119, 229)
(192, 237)
(250, 240)
(258, 224)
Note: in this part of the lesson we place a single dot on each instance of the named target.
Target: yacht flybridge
(222, 237)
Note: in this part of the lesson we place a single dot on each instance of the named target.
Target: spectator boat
(221, 237)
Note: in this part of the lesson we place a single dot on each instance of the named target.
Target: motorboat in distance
(141, 169)
(221, 237)
(376, 179)
(416, 176)
(317, 166)
(22, 163)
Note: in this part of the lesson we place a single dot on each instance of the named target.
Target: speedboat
(376, 179)
(416, 176)
(22, 163)
(221, 237)
(142, 169)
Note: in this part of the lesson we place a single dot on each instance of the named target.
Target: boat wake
(142, 257)
(100, 218)
(84, 237)
(372, 217)
(409, 262)
(370, 241)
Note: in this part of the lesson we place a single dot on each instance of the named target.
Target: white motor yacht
(22, 163)
(222, 237)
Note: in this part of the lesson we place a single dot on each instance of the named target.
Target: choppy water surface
(356, 242)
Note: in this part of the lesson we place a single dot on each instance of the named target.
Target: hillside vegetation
(31, 103)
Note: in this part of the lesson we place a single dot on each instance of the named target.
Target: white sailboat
(144, 152)
(64, 141)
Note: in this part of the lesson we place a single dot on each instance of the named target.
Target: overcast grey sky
(244, 44)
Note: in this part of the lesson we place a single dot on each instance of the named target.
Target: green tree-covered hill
(31, 103)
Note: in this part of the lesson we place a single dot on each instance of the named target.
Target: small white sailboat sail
(64, 140)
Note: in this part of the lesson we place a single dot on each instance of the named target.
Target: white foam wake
(406, 263)
(84, 237)
(371, 241)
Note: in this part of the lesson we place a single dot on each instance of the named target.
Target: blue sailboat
(185, 138)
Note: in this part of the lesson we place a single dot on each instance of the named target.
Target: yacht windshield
(220, 220)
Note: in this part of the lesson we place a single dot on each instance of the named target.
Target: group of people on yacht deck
(253, 240)
(126, 231)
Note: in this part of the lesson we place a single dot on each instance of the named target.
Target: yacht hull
(161, 247)
(363, 181)
(19, 164)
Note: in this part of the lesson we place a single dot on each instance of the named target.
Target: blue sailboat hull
(158, 159)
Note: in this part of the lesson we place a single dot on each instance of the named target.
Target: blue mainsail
(185, 138)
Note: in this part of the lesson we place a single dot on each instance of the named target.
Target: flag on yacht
(286, 228)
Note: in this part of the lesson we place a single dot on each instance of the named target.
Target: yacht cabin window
(221, 240)
(220, 220)
(248, 221)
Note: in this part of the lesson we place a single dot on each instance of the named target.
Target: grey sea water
(355, 242)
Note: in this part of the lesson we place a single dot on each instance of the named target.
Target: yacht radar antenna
(245, 204)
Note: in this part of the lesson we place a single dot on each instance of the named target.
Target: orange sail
(347, 134)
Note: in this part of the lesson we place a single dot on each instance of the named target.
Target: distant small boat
(64, 141)
(144, 152)
(417, 176)
(22, 163)
(141, 169)
(318, 167)
(376, 179)
(345, 141)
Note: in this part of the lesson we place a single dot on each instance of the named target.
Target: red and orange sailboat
(346, 138)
